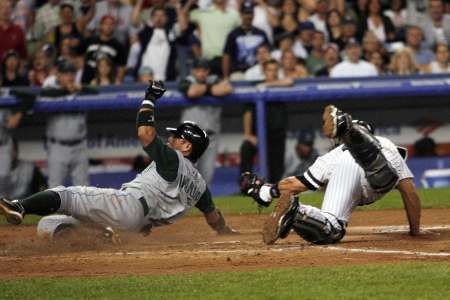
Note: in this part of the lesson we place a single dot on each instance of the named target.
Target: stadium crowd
(115, 41)
(205, 45)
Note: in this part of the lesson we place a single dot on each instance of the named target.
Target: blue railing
(306, 90)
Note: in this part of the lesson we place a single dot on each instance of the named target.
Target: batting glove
(154, 91)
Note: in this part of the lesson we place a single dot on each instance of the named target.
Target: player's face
(180, 144)
(66, 79)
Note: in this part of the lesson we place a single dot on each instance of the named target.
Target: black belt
(144, 205)
(66, 143)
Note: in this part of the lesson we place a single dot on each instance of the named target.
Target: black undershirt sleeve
(166, 159)
(206, 204)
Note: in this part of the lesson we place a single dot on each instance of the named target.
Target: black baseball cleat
(335, 122)
(281, 220)
(12, 210)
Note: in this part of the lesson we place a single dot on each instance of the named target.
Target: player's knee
(317, 229)
(383, 177)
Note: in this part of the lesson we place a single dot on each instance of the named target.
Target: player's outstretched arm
(412, 204)
(145, 120)
(213, 216)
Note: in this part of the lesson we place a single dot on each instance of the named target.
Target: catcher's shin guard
(366, 150)
(313, 226)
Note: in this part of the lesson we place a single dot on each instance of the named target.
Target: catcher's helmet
(191, 132)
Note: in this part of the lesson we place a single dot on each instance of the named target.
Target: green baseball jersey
(171, 185)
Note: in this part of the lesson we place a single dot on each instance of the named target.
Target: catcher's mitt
(251, 185)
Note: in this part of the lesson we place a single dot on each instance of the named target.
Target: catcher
(358, 172)
(161, 194)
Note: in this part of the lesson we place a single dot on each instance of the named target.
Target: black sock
(42, 203)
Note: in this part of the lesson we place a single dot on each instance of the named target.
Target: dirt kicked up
(190, 246)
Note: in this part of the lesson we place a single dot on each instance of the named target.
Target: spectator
(104, 74)
(303, 43)
(199, 84)
(305, 154)
(276, 126)
(305, 10)
(402, 63)
(319, 19)
(12, 35)
(266, 18)
(370, 45)
(440, 64)
(41, 67)
(22, 14)
(256, 73)
(25, 177)
(66, 51)
(104, 44)
(10, 71)
(143, 9)
(436, 24)
(67, 28)
(215, 23)
(284, 42)
(331, 57)
(414, 37)
(334, 26)
(290, 66)
(353, 66)
(379, 61)
(349, 32)
(397, 15)
(47, 18)
(380, 25)
(288, 18)
(145, 74)
(315, 60)
(121, 14)
(241, 44)
(157, 47)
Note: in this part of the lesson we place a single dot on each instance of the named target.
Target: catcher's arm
(412, 204)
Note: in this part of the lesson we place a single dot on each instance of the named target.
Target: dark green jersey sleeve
(206, 204)
(166, 159)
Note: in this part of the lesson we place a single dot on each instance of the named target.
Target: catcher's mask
(191, 132)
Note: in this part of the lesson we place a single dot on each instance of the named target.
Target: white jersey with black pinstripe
(344, 180)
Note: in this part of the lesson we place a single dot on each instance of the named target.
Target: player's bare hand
(154, 90)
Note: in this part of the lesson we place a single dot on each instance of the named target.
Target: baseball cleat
(12, 210)
(335, 122)
(281, 220)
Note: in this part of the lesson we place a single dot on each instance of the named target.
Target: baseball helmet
(191, 132)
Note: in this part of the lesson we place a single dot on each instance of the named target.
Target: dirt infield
(190, 246)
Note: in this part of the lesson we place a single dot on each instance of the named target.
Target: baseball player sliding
(358, 172)
(162, 193)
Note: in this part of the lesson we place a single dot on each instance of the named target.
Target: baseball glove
(251, 185)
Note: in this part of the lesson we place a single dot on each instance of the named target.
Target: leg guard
(316, 227)
(366, 150)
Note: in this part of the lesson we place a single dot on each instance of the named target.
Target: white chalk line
(275, 248)
(383, 251)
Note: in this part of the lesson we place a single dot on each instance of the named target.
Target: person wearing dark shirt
(276, 126)
(10, 75)
(104, 44)
(12, 36)
(241, 43)
(331, 57)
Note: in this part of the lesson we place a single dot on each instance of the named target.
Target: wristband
(274, 191)
(145, 118)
